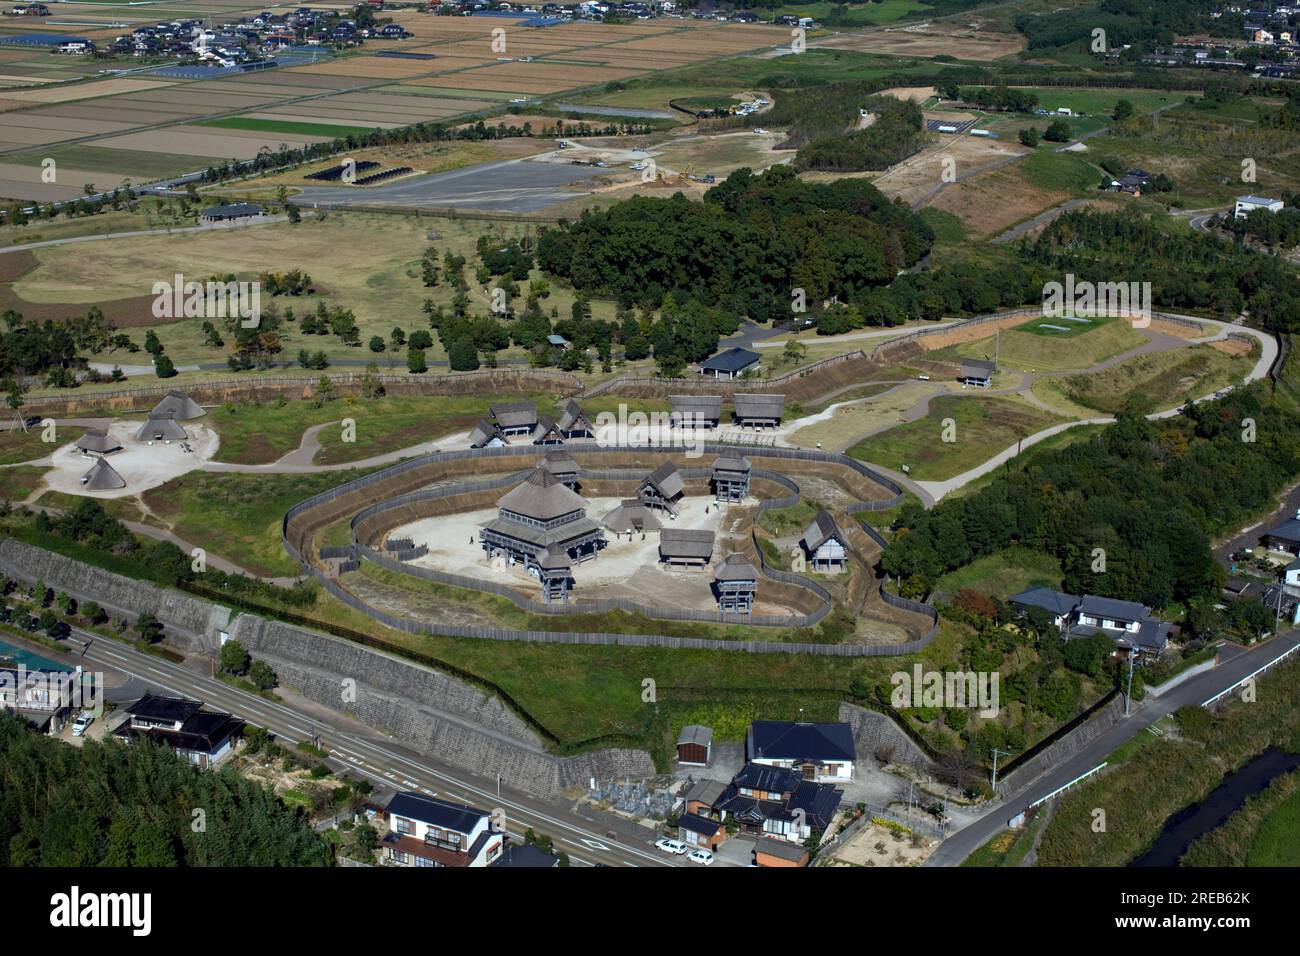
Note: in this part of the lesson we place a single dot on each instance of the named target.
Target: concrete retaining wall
(873, 730)
(189, 622)
(428, 711)
(1066, 747)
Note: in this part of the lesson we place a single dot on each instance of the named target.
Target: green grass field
(1066, 327)
(261, 433)
(332, 130)
(1157, 381)
(983, 427)
(1030, 350)
(17, 445)
(1003, 574)
(1277, 841)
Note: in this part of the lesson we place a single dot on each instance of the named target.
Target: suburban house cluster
(1129, 624)
(784, 794)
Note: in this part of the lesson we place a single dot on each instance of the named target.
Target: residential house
(44, 697)
(700, 832)
(817, 751)
(777, 801)
(1128, 623)
(203, 737)
(427, 831)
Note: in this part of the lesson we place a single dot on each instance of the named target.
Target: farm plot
(930, 39)
(86, 91)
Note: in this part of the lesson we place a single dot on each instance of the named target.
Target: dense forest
(109, 805)
(744, 249)
(1149, 494)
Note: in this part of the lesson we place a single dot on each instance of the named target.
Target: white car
(703, 857)
(83, 721)
(759, 131)
(671, 846)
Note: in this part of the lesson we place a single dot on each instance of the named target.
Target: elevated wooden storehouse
(823, 542)
(539, 514)
(735, 582)
(515, 418)
(685, 547)
(573, 421)
(695, 411)
(562, 466)
(662, 488)
(547, 432)
(555, 572)
(730, 477)
(759, 411)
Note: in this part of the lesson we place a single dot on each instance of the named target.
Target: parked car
(82, 723)
(671, 846)
(703, 857)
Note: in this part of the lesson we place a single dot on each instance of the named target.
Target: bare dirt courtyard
(628, 566)
(142, 465)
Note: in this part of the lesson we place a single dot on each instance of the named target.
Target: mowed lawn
(982, 428)
(1026, 347)
(1158, 381)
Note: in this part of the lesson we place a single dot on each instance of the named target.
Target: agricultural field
(166, 122)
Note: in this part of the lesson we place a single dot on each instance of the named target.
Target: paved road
(367, 753)
(1195, 691)
(174, 231)
(513, 185)
(936, 490)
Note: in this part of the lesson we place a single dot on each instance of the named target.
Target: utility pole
(996, 752)
(1128, 692)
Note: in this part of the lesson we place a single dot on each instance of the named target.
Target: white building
(426, 831)
(1248, 204)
